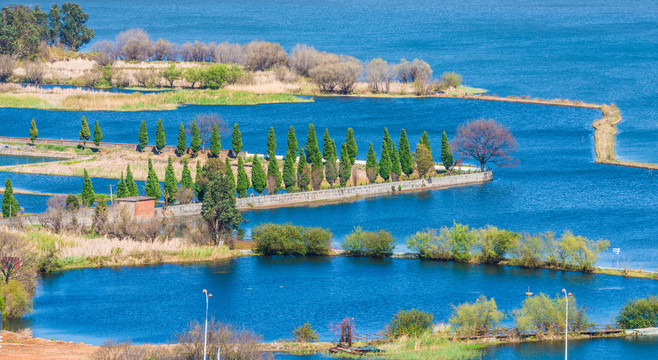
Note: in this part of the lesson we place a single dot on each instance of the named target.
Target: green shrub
(15, 301)
(545, 315)
(216, 76)
(493, 243)
(432, 245)
(410, 323)
(463, 240)
(288, 239)
(369, 243)
(639, 313)
(305, 333)
(481, 315)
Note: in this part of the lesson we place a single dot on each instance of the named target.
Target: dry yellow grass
(604, 135)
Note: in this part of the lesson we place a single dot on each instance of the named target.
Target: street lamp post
(205, 338)
(566, 321)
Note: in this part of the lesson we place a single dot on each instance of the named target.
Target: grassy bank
(81, 100)
(63, 252)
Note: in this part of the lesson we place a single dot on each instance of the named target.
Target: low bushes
(544, 315)
(479, 316)
(639, 313)
(490, 245)
(288, 239)
(305, 333)
(409, 323)
(369, 243)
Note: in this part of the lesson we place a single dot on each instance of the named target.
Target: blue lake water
(273, 295)
(594, 50)
(556, 186)
(6, 160)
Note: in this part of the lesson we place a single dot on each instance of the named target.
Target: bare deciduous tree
(408, 72)
(379, 75)
(198, 51)
(106, 52)
(238, 344)
(18, 257)
(163, 50)
(484, 141)
(145, 77)
(186, 51)
(34, 72)
(339, 73)
(261, 55)
(7, 66)
(303, 58)
(134, 44)
(226, 53)
(205, 122)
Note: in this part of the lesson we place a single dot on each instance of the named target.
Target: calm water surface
(273, 295)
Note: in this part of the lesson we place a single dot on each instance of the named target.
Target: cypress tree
(88, 196)
(160, 140)
(345, 165)
(170, 184)
(131, 185)
(243, 180)
(385, 159)
(273, 171)
(371, 164)
(229, 174)
(236, 140)
(98, 135)
(303, 172)
(121, 188)
(425, 140)
(292, 143)
(143, 136)
(406, 160)
(271, 144)
(152, 183)
(446, 152)
(181, 145)
(395, 160)
(84, 132)
(215, 141)
(9, 203)
(34, 132)
(352, 149)
(186, 177)
(312, 148)
(195, 143)
(198, 179)
(289, 177)
(258, 177)
(327, 146)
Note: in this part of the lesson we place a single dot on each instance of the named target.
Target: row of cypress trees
(84, 133)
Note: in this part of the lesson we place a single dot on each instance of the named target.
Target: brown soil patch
(18, 346)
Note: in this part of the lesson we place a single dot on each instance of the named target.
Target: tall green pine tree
(271, 144)
(9, 204)
(198, 179)
(425, 140)
(186, 177)
(121, 188)
(258, 177)
(273, 171)
(312, 148)
(352, 149)
(345, 165)
(303, 172)
(88, 196)
(292, 143)
(371, 164)
(236, 139)
(395, 160)
(84, 132)
(385, 159)
(131, 185)
(34, 132)
(215, 141)
(289, 176)
(160, 139)
(229, 173)
(143, 136)
(181, 145)
(152, 184)
(170, 184)
(446, 152)
(243, 180)
(98, 134)
(195, 143)
(406, 159)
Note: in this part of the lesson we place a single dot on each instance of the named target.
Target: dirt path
(19, 346)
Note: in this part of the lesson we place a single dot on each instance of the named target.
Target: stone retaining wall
(84, 216)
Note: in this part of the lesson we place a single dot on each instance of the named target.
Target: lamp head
(563, 290)
(210, 295)
(205, 291)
